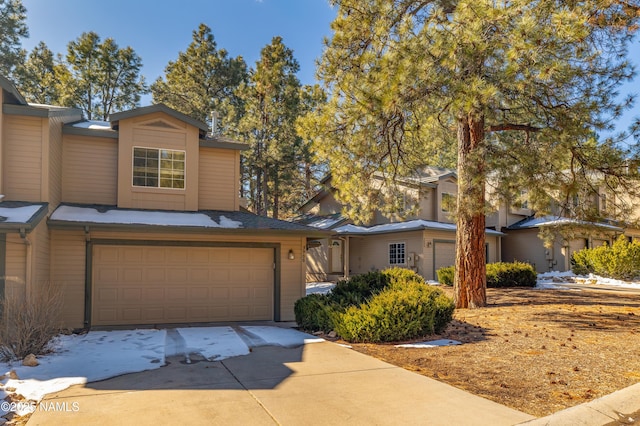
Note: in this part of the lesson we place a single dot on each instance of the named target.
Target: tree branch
(511, 126)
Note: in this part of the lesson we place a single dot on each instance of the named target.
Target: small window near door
(397, 254)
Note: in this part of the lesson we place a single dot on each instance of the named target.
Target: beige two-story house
(137, 220)
(421, 239)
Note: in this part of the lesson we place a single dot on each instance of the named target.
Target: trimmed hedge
(620, 260)
(395, 304)
(446, 274)
(516, 274)
(499, 275)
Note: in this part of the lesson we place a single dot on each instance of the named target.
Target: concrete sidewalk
(316, 384)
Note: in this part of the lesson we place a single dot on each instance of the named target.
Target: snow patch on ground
(319, 288)
(213, 343)
(430, 344)
(559, 280)
(79, 359)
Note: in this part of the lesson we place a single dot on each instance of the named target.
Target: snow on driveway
(80, 359)
(100, 355)
(213, 343)
(555, 280)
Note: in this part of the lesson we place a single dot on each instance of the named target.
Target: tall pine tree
(39, 77)
(13, 28)
(102, 78)
(202, 80)
(520, 85)
(271, 105)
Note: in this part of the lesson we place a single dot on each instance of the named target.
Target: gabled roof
(136, 112)
(211, 221)
(19, 216)
(538, 222)
(411, 225)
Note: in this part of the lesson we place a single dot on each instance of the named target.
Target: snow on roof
(325, 222)
(93, 125)
(537, 222)
(140, 217)
(18, 214)
(411, 225)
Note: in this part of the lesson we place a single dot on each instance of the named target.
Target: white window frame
(160, 169)
(395, 260)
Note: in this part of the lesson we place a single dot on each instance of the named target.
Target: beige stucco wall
(68, 265)
(157, 130)
(89, 170)
(23, 158)
(219, 179)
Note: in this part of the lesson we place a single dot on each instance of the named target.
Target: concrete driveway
(315, 384)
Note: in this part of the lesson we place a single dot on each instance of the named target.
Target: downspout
(28, 261)
(345, 257)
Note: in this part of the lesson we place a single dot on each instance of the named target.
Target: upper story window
(158, 168)
(447, 202)
(397, 254)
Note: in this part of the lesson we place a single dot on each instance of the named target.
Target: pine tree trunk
(276, 195)
(470, 278)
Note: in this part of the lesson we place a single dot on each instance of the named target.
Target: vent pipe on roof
(214, 122)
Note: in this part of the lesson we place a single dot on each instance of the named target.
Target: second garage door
(444, 254)
(153, 285)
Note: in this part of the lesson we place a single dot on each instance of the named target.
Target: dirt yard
(538, 351)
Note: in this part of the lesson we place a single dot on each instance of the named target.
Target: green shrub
(358, 288)
(314, 312)
(399, 275)
(398, 313)
(516, 274)
(446, 274)
(619, 261)
(499, 274)
(394, 304)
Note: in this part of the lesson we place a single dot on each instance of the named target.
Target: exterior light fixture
(291, 255)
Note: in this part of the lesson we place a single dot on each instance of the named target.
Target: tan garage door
(152, 285)
(444, 254)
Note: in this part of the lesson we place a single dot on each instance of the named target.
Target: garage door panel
(199, 275)
(150, 285)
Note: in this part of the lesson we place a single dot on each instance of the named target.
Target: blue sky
(157, 29)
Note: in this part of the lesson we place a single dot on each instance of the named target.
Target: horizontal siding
(90, 168)
(372, 253)
(22, 174)
(217, 181)
(158, 199)
(68, 272)
(159, 138)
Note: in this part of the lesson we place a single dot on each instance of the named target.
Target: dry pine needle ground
(538, 351)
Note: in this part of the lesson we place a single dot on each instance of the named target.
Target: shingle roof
(537, 222)
(410, 225)
(204, 220)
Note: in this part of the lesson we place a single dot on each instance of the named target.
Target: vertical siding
(89, 170)
(55, 161)
(40, 256)
(22, 162)
(15, 280)
(68, 272)
(219, 170)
